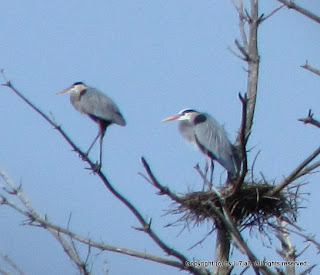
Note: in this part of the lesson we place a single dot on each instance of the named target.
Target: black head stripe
(199, 119)
(187, 111)
(77, 83)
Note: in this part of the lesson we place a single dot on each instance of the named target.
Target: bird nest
(250, 206)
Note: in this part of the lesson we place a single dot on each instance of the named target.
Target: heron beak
(64, 91)
(170, 118)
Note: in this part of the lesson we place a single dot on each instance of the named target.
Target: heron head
(185, 114)
(76, 87)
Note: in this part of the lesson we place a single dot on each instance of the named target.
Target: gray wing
(212, 139)
(94, 102)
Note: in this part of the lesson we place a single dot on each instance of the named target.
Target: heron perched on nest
(209, 136)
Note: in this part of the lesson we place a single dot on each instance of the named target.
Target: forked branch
(32, 216)
(310, 120)
(163, 190)
(310, 68)
(35, 219)
(145, 225)
(249, 53)
(295, 173)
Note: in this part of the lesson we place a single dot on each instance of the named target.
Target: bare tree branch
(146, 226)
(7, 259)
(70, 251)
(308, 270)
(243, 50)
(289, 179)
(291, 5)
(249, 53)
(32, 215)
(307, 170)
(265, 17)
(3, 272)
(152, 179)
(288, 252)
(310, 120)
(236, 54)
(310, 68)
(241, 140)
(253, 65)
(34, 219)
(308, 238)
(243, 19)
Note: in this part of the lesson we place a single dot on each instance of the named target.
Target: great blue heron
(210, 137)
(98, 106)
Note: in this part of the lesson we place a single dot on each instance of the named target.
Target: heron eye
(199, 119)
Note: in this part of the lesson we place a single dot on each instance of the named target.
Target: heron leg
(208, 165)
(103, 132)
(211, 173)
(94, 141)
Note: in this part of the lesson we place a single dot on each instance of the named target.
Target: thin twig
(307, 170)
(310, 120)
(308, 270)
(70, 251)
(265, 17)
(236, 54)
(243, 18)
(152, 179)
(243, 50)
(308, 238)
(291, 5)
(311, 68)
(289, 179)
(12, 264)
(202, 240)
(303, 251)
(244, 270)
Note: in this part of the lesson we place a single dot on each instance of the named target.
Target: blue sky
(153, 58)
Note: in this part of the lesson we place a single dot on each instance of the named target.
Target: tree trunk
(222, 252)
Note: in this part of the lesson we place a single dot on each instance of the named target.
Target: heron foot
(96, 168)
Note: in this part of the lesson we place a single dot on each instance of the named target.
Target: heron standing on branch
(98, 106)
(210, 137)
